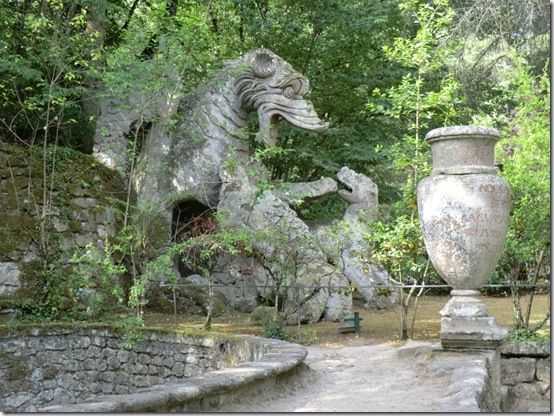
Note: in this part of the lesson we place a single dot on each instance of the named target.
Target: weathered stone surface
(9, 278)
(543, 370)
(198, 293)
(61, 396)
(17, 400)
(178, 369)
(469, 384)
(19, 218)
(465, 304)
(464, 210)
(168, 362)
(518, 370)
(526, 394)
(292, 246)
(291, 193)
(157, 360)
(526, 406)
(144, 359)
(461, 214)
(467, 332)
(361, 193)
(529, 391)
(107, 388)
(544, 388)
(463, 149)
(57, 371)
(122, 356)
(527, 349)
(184, 163)
(415, 348)
(216, 117)
(273, 359)
(237, 278)
(345, 245)
(45, 396)
(85, 202)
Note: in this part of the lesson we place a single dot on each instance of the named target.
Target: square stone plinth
(471, 332)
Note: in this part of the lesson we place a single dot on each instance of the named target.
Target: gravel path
(357, 379)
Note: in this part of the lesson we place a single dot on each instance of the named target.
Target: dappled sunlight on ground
(377, 326)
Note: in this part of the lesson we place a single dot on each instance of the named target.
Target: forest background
(383, 73)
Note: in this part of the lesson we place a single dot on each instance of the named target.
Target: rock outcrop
(290, 253)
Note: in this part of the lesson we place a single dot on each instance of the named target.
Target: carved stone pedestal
(466, 323)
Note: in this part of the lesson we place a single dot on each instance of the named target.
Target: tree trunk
(532, 294)
(208, 323)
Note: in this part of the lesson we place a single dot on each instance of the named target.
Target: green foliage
(97, 279)
(420, 102)
(526, 166)
(529, 335)
(200, 252)
(48, 51)
(398, 245)
(426, 96)
(307, 336)
(326, 208)
(273, 329)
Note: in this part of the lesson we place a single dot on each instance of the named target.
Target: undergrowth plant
(200, 250)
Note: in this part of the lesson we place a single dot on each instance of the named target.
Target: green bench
(350, 323)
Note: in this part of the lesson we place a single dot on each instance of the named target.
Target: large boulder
(289, 250)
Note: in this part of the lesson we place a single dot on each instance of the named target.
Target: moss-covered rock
(77, 176)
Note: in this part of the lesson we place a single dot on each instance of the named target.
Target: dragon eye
(288, 92)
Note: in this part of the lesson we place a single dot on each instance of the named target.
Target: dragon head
(358, 188)
(273, 89)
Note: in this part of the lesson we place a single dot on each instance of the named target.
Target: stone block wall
(78, 212)
(525, 376)
(52, 365)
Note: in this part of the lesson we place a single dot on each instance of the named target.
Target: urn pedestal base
(465, 323)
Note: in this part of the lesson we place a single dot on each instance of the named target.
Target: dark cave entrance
(190, 219)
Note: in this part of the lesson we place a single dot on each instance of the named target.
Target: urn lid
(461, 131)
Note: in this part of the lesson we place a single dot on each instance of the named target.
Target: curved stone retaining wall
(212, 391)
(50, 366)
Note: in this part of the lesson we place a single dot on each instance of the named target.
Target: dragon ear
(264, 64)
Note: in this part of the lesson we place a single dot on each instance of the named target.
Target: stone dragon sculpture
(184, 162)
(371, 279)
(190, 161)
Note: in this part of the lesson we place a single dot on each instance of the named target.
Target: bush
(264, 314)
(273, 330)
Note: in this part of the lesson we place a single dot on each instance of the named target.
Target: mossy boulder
(22, 215)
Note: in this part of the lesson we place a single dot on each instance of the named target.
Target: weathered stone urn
(464, 211)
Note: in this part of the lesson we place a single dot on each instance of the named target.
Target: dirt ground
(378, 327)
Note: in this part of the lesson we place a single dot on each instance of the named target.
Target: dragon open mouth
(298, 112)
(343, 179)
(345, 189)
